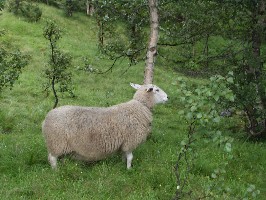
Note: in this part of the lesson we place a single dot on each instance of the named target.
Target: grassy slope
(24, 170)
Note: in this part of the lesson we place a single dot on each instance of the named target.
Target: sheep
(93, 133)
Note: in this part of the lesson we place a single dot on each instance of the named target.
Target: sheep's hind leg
(129, 157)
(52, 160)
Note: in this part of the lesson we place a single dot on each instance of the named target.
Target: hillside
(25, 172)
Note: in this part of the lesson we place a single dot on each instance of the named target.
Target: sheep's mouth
(165, 100)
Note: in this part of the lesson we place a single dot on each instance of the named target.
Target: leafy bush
(71, 6)
(250, 99)
(2, 5)
(11, 64)
(54, 3)
(30, 11)
(13, 6)
(201, 107)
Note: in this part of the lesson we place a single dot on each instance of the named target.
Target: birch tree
(152, 46)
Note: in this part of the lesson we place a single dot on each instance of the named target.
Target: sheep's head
(159, 96)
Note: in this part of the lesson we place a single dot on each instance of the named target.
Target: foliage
(201, 107)
(191, 34)
(13, 6)
(57, 72)
(203, 102)
(71, 6)
(30, 11)
(208, 41)
(221, 36)
(11, 64)
(248, 99)
(55, 3)
(2, 5)
(121, 28)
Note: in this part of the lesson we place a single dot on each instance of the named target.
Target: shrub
(13, 6)
(11, 64)
(2, 5)
(30, 11)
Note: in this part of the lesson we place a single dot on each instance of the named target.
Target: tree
(152, 48)
(133, 15)
(90, 8)
(257, 115)
(126, 41)
(249, 78)
(208, 37)
(57, 71)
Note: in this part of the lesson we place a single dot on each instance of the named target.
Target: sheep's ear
(135, 86)
(149, 89)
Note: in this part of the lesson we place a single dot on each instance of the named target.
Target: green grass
(24, 169)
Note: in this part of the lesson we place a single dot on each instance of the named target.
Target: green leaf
(213, 78)
(251, 188)
(231, 73)
(190, 101)
(216, 119)
(209, 93)
(193, 108)
(231, 98)
(181, 112)
(189, 115)
(214, 175)
(199, 115)
(198, 91)
(183, 98)
(216, 97)
(230, 80)
(228, 147)
(188, 93)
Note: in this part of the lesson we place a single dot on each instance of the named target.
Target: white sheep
(93, 133)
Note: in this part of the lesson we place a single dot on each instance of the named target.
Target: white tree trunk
(152, 48)
(90, 8)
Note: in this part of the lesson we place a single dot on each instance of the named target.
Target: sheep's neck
(146, 100)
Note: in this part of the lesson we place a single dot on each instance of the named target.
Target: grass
(24, 169)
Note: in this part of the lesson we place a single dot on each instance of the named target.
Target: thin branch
(183, 154)
(112, 66)
(123, 55)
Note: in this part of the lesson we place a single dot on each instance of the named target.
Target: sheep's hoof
(130, 167)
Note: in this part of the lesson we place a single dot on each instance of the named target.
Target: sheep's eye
(157, 90)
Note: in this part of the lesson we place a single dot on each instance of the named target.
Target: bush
(2, 5)
(13, 6)
(30, 11)
(11, 64)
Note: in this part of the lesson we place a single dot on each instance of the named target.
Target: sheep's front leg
(53, 160)
(129, 157)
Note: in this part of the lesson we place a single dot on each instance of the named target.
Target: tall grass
(24, 169)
